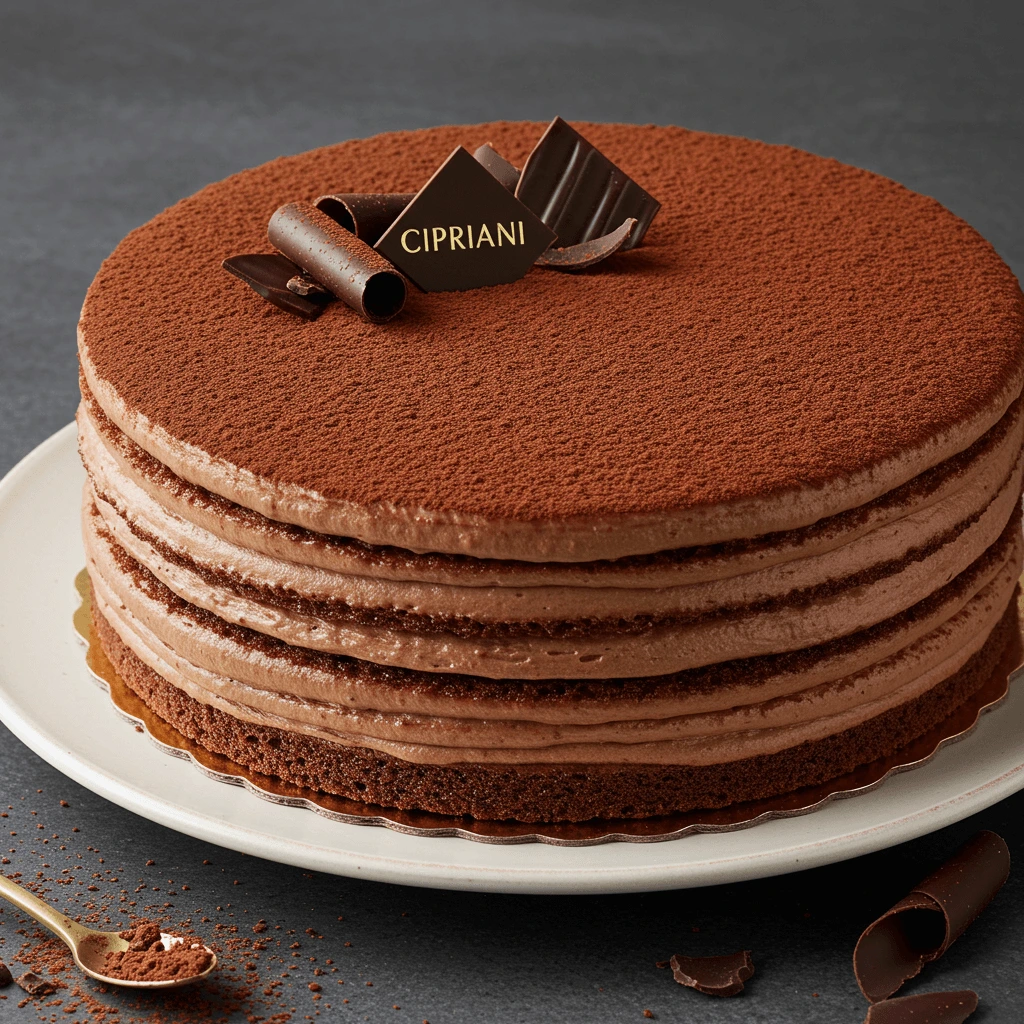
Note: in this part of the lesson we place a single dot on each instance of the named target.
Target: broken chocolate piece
(927, 1008)
(338, 260)
(586, 254)
(366, 214)
(923, 925)
(713, 975)
(35, 985)
(464, 230)
(578, 192)
(302, 285)
(508, 174)
(5, 975)
(269, 274)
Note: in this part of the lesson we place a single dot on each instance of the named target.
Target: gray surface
(109, 112)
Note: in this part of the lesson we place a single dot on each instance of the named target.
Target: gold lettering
(426, 239)
(439, 236)
(455, 239)
(484, 233)
(511, 237)
(405, 244)
(522, 239)
(469, 234)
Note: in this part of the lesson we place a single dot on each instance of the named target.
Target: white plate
(49, 701)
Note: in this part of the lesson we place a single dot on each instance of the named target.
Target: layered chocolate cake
(727, 514)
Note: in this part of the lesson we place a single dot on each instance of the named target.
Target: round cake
(726, 515)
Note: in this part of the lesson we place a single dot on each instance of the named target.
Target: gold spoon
(88, 946)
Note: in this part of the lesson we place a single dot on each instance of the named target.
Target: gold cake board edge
(643, 830)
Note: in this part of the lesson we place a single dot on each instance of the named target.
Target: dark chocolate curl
(366, 214)
(923, 925)
(586, 254)
(270, 274)
(713, 975)
(488, 157)
(578, 192)
(927, 1008)
(342, 263)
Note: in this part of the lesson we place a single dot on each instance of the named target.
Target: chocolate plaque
(464, 230)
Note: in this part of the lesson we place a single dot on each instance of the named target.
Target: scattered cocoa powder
(115, 896)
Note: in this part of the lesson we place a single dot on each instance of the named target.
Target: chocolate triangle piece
(464, 230)
(927, 1008)
(713, 975)
(366, 214)
(923, 925)
(272, 275)
(578, 192)
(508, 174)
(586, 254)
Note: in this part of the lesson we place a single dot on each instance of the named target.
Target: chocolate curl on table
(578, 192)
(923, 925)
(366, 214)
(488, 157)
(586, 254)
(280, 282)
(713, 975)
(927, 1008)
(342, 263)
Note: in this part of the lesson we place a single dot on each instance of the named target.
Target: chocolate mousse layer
(548, 792)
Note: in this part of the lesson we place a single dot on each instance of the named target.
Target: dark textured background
(111, 111)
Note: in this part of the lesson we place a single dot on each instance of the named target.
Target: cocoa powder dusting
(146, 959)
(787, 321)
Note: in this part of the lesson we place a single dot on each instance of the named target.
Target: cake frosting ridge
(745, 498)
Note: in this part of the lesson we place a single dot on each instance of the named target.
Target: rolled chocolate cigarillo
(507, 173)
(342, 263)
(366, 214)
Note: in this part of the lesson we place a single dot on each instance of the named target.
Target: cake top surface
(789, 322)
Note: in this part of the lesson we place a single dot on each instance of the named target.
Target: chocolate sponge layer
(543, 793)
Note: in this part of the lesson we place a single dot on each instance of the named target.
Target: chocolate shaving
(488, 157)
(923, 925)
(927, 1008)
(366, 214)
(5, 975)
(578, 192)
(713, 975)
(35, 985)
(586, 254)
(270, 274)
(342, 263)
